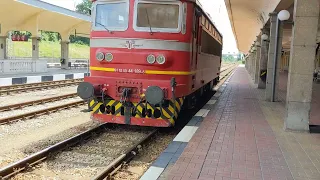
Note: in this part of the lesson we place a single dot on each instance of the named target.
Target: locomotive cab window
(157, 16)
(111, 16)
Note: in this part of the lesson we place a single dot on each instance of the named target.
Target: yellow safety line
(170, 72)
(103, 69)
(147, 71)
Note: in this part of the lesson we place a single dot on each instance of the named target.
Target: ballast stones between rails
(98, 136)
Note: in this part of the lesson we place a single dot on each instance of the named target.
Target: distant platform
(239, 136)
(53, 74)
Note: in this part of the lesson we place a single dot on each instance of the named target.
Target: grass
(47, 49)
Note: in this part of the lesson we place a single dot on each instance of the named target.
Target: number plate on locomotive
(137, 71)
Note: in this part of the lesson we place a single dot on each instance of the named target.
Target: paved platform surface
(242, 137)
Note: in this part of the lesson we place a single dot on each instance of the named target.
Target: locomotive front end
(135, 78)
(133, 104)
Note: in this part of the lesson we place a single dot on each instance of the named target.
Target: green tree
(84, 7)
(228, 58)
(49, 36)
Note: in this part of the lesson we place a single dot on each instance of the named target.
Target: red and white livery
(148, 59)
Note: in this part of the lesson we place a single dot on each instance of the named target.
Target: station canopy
(247, 17)
(35, 15)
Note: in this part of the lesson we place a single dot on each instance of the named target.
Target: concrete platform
(241, 137)
(54, 74)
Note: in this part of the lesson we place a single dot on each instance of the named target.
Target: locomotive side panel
(209, 53)
(209, 59)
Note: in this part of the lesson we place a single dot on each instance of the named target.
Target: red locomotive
(148, 59)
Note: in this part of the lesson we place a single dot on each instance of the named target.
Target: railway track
(108, 149)
(224, 68)
(40, 111)
(226, 71)
(101, 170)
(7, 90)
(36, 102)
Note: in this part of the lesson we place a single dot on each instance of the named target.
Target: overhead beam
(30, 23)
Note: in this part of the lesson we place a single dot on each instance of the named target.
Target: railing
(73, 65)
(25, 66)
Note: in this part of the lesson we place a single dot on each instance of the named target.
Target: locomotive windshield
(112, 16)
(157, 17)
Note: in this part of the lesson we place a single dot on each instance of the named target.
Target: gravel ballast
(84, 161)
(18, 135)
(150, 152)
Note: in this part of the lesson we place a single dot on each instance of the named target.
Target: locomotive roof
(197, 2)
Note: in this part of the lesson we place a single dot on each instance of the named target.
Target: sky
(216, 8)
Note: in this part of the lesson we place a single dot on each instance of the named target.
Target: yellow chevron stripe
(171, 121)
(96, 107)
(177, 105)
(91, 103)
(137, 115)
(118, 105)
(171, 109)
(110, 103)
(139, 108)
(167, 115)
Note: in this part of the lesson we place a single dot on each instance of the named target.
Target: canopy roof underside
(35, 15)
(247, 17)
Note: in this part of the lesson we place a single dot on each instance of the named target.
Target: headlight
(151, 59)
(100, 56)
(109, 57)
(161, 59)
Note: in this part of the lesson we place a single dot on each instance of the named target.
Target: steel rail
(228, 73)
(40, 112)
(39, 83)
(28, 88)
(228, 67)
(224, 78)
(40, 101)
(123, 158)
(8, 91)
(16, 167)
